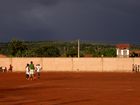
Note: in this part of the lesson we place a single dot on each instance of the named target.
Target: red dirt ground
(62, 88)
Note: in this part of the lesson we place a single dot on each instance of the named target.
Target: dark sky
(96, 20)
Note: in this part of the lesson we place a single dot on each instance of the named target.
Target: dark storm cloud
(99, 20)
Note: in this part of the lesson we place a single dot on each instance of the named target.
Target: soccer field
(70, 88)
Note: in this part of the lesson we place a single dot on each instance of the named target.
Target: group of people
(135, 68)
(4, 68)
(33, 71)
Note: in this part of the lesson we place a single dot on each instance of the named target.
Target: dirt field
(70, 89)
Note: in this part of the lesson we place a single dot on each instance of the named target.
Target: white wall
(74, 64)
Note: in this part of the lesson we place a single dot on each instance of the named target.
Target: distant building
(122, 50)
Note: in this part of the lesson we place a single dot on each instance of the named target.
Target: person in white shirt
(27, 69)
(38, 69)
(4, 69)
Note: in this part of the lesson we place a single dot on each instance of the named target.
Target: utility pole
(78, 48)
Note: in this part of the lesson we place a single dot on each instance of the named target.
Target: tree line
(18, 48)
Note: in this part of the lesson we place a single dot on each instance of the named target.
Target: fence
(74, 64)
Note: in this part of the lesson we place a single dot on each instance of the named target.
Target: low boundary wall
(74, 64)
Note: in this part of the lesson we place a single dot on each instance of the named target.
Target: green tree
(110, 52)
(16, 48)
(72, 52)
(47, 51)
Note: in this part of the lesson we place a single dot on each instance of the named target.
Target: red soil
(70, 89)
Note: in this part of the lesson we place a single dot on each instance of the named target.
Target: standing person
(10, 68)
(133, 67)
(27, 71)
(138, 68)
(38, 69)
(32, 68)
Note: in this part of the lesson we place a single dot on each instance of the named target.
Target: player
(32, 70)
(27, 71)
(38, 69)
